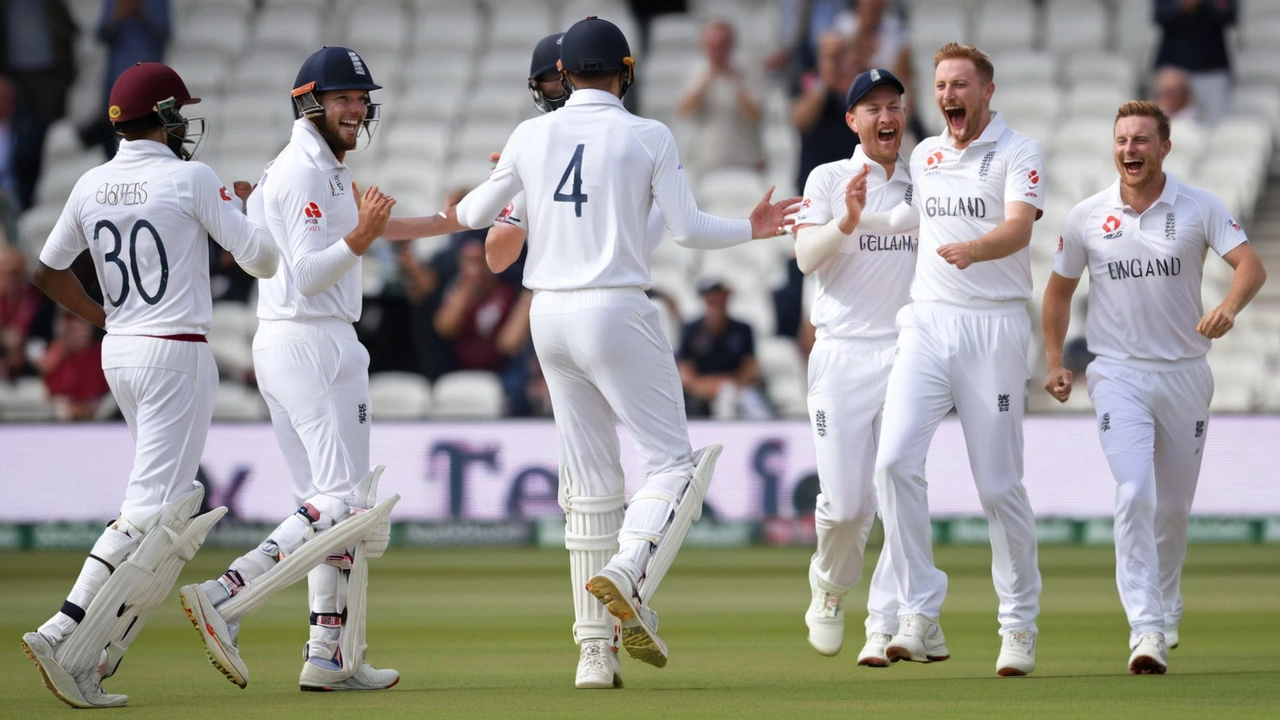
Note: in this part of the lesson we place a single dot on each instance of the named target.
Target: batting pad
(591, 536)
(139, 584)
(688, 510)
(298, 564)
(352, 641)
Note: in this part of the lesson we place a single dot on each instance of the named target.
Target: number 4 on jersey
(577, 197)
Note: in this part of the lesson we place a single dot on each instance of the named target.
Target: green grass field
(486, 633)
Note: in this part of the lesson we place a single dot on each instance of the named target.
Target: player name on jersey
(955, 207)
(873, 243)
(1140, 268)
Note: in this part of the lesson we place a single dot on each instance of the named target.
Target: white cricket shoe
(825, 618)
(919, 639)
(219, 640)
(873, 653)
(1017, 654)
(1150, 655)
(639, 624)
(84, 692)
(1171, 636)
(329, 676)
(598, 667)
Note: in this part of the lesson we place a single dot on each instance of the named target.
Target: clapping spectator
(723, 103)
(1194, 37)
(717, 362)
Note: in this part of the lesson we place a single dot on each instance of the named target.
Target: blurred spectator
(38, 57)
(134, 31)
(1172, 91)
(644, 11)
(488, 323)
(20, 303)
(717, 362)
(1194, 38)
(818, 110)
(72, 369)
(722, 101)
(802, 23)
(8, 186)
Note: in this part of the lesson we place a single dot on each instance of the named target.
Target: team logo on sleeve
(1033, 181)
(222, 193)
(312, 214)
(1111, 228)
(1060, 243)
(506, 215)
(1234, 225)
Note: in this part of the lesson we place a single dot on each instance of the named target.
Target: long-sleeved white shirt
(590, 173)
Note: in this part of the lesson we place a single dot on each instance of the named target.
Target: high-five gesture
(770, 219)
(855, 198)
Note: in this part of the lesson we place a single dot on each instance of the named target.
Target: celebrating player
(1143, 241)
(144, 217)
(963, 342)
(863, 265)
(590, 174)
(314, 375)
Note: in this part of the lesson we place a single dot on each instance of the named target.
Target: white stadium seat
(399, 396)
(1006, 24)
(1075, 27)
(467, 394)
(25, 400)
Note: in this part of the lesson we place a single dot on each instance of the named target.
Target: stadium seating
(467, 394)
(399, 396)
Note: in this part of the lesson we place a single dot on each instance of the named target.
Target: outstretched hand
(855, 198)
(770, 219)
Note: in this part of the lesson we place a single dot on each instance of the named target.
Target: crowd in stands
(759, 107)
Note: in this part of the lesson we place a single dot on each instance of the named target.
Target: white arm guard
(817, 244)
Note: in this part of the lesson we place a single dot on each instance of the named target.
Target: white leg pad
(138, 585)
(297, 565)
(687, 511)
(591, 536)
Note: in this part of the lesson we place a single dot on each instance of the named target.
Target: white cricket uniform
(963, 343)
(313, 372)
(1150, 384)
(858, 294)
(590, 173)
(145, 217)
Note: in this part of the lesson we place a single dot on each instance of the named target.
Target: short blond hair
(955, 51)
(1144, 108)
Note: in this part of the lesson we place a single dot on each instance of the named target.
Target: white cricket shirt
(961, 195)
(1145, 269)
(305, 199)
(145, 218)
(861, 289)
(516, 215)
(590, 173)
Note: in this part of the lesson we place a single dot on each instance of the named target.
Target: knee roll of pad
(592, 523)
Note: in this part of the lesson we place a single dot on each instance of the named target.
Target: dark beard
(335, 141)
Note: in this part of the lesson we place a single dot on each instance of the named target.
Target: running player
(590, 173)
(1143, 242)
(963, 343)
(144, 217)
(863, 264)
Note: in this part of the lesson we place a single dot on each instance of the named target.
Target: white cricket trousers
(314, 375)
(847, 382)
(165, 390)
(974, 359)
(607, 360)
(1153, 418)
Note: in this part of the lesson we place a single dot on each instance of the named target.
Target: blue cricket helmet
(545, 57)
(594, 46)
(332, 67)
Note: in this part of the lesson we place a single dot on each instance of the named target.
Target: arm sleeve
(690, 227)
(1071, 258)
(479, 208)
(315, 263)
(67, 240)
(1221, 231)
(1024, 175)
(214, 206)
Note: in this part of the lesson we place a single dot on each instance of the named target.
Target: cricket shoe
(1017, 654)
(598, 667)
(918, 640)
(1150, 655)
(873, 653)
(1171, 636)
(329, 676)
(219, 638)
(78, 693)
(824, 618)
(616, 590)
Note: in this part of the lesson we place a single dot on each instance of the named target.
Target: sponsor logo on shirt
(1139, 268)
(1234, 225)
(506, 215)
(1111, 228)
(868, 242)
(312, 211)
(222, 193)
(933, 162)
(974, 207)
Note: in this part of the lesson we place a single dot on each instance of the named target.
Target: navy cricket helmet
(545, 56)
(332, 67)
(595, 46)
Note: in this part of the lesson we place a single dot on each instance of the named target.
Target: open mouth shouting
(956, 116)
